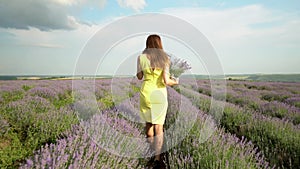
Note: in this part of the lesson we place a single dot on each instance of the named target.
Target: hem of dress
(154, 123)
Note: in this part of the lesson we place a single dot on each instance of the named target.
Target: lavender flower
(295, 101)
(178, 66)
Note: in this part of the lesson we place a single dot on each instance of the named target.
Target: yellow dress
(153, 94)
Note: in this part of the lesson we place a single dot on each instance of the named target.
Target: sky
(46, 37)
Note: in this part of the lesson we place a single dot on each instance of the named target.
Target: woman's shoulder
(143, 56)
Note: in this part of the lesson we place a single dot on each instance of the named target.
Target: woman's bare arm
(139, 73)
(166, 77)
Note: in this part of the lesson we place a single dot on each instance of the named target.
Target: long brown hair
(154, 49)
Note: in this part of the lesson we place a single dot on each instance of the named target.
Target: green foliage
(12, 96)
(26, 87)
(63, 100)
(272, 97)
(133, 89)
(11, 150)
(297, 120)
(107, 101)
(297, 104)
(250, 86)
(253, 105)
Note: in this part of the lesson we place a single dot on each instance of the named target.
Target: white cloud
(224, 24)
(136, 5)
(253, 21)
(67, 2)
(247, 38)
(94, 3)
(42, 14)
(74, 39)
(45, 45)
(44, 52)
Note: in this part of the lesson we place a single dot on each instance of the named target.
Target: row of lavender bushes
(279, 140)
(78, 150)
(34, 113)
(199, 143)
(278, 99)
(199, 149)
(188, 142)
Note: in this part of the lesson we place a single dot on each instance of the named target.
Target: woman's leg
(159, 138)
(150, 135)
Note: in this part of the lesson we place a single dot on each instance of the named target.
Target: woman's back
(153, 93)
(153, 77)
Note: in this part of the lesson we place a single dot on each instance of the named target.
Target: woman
(153, 65)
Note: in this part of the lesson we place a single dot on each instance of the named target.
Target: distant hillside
(249, 77)
(50, 77)
(266, 77)
(254, 77)
(8, 77)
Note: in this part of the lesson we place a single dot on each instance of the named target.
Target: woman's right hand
(176, 80)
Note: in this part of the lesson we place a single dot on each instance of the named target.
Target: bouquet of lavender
(177, 67)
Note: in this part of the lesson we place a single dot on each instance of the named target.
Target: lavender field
(45, 124)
